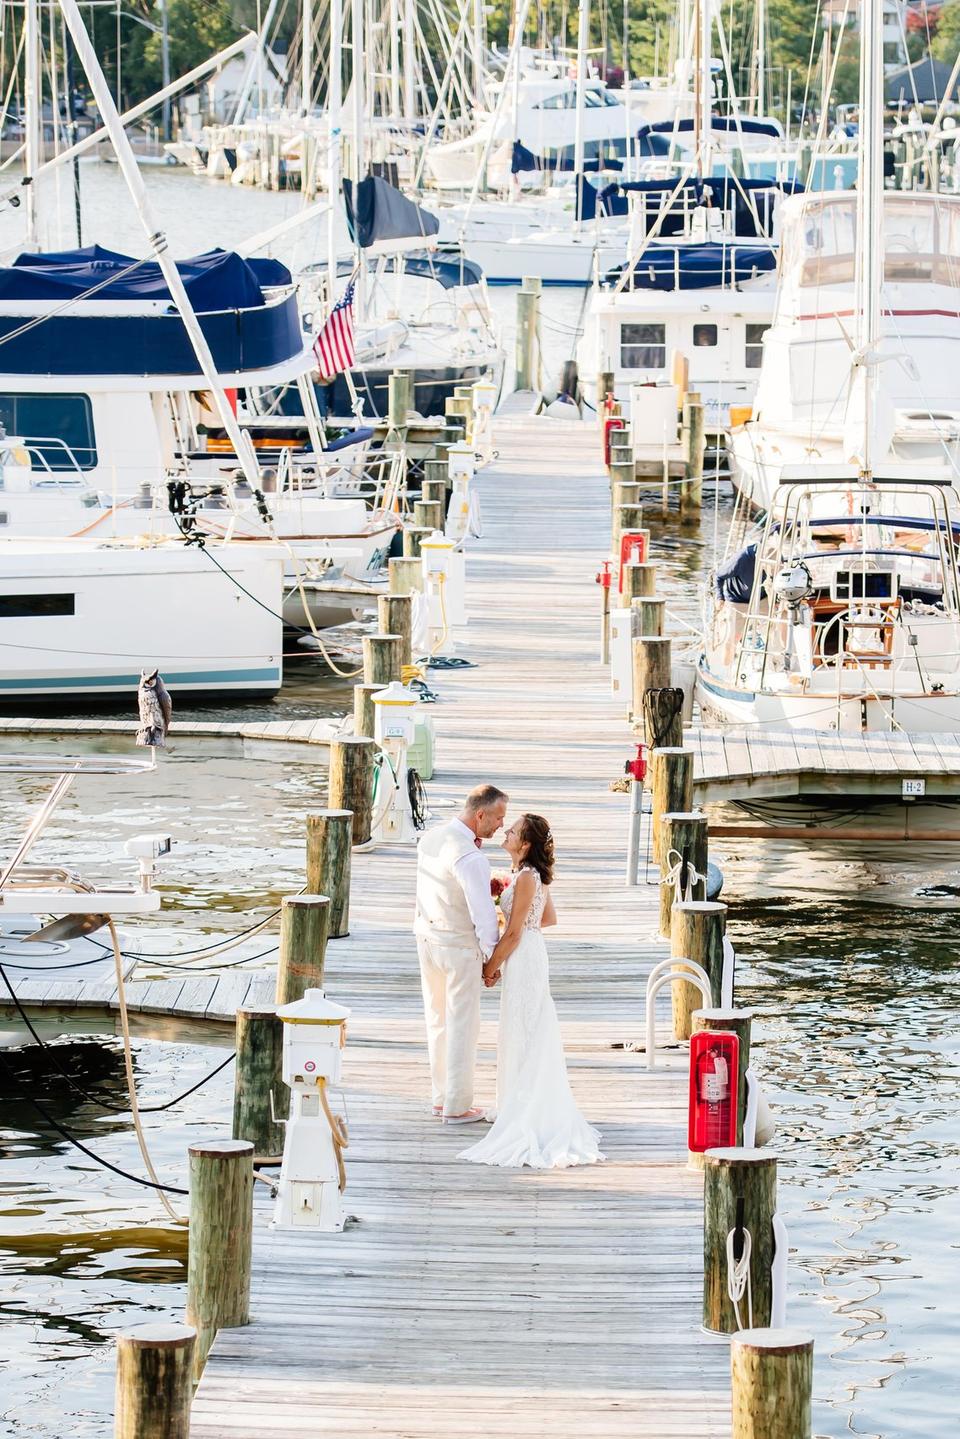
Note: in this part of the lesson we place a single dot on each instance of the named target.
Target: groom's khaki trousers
(451, 976)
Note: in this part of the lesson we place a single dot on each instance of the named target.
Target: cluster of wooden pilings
(158, 1365)
(771, 1366)
(632, 477)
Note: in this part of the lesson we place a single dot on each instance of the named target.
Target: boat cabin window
(643, 347)
(25, 607)
(704, 336)
(754, 347)
(921, 241)
(58, 429)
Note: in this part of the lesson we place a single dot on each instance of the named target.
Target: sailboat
(700, 272)
(841, 609)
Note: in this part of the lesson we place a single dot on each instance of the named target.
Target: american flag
(334, 347)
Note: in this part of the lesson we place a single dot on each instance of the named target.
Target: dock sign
(913, 788)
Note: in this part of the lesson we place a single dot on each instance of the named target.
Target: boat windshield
(921, 235)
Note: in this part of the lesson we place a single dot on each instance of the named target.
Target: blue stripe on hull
(195, 679)
(743, 696)
(553, 284)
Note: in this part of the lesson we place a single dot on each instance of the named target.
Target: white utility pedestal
(395, 730)
(311, 1177)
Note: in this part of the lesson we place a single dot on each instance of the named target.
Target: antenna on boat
(868, 264)
(157, 237)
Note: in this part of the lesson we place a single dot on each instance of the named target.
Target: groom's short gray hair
(484, 796)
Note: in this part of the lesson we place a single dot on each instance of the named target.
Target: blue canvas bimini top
(217, 280)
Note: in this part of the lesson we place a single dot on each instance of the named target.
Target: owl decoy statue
(156, 709)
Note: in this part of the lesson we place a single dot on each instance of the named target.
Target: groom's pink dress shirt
(473, 876)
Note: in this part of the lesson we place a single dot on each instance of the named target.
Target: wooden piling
(304, 926)
(663, 718)
(351, 781)
(652, 667)
(364, 714)
(691, 486)
(434, 492)
(398, 400)
(737, 1184)
(428, 515)
(154, 1386)
(605, 382)
(382, 658)
(696, 933)
(626, 491)
(404, 575)
(221, 1238)
(683, 837)
(670, 780)
(257, 1076)
(771, 1381)
(527, 355)
(639, 581)
(329, 836)
(628, 518)
(412, 537)
(395, 617)
(648, 616)
(738, 1022)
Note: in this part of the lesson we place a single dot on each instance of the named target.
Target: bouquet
(499, 883)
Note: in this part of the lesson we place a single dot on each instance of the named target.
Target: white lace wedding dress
(537, 1121)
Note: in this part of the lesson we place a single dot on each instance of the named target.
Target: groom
(456, 928)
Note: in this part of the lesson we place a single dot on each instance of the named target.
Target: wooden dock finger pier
(486, 1302)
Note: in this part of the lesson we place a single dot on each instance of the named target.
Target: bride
(537, 1122)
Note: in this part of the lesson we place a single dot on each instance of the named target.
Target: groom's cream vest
(442, 912)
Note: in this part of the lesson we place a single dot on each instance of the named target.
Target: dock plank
(591, 1275)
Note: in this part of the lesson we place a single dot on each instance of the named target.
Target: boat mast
(157, 237)
(702, 40)
(306, 102)
(409, 63)
(583, 41)
(868, 269)
(334, 123)
(31, 95)
(478, 47)
(761, 57)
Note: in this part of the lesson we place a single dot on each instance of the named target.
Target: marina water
(849, 963)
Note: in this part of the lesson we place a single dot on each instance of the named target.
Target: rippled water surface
(850, 966)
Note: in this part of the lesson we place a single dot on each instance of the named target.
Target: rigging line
(77, 1144)
(94, 1098)
(73, 300)
(130, 1077)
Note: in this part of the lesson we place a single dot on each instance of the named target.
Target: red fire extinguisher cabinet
(714, 1090)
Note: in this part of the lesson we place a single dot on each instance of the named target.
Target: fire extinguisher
(714, 1060)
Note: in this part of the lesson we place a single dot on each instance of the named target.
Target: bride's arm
(524, 888)
(549, 913)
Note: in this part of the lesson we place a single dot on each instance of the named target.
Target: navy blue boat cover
(382, 213)
(218, 280)
(449, 268)
(554, 160)
(700, 267)
(723, 124)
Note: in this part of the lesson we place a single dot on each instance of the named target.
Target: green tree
(946, 42)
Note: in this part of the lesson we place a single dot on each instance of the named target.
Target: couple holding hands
(461, 949)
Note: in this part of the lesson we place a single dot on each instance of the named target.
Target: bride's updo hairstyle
(539, 856)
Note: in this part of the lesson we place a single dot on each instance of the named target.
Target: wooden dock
(466, 1301)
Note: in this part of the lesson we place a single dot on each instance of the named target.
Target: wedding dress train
(538, 1122)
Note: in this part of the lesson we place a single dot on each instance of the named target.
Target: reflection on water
(83, 1252)
(851, 969)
